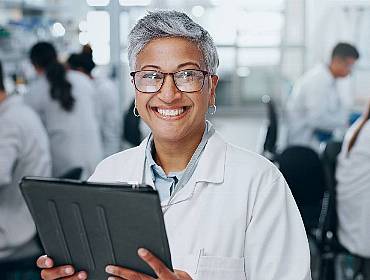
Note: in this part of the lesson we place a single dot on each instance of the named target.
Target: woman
(64, 103)
(229, 213)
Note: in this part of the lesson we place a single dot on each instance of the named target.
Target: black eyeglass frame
(205, 73)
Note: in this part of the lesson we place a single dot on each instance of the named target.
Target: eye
(152, 75)
(186, 75)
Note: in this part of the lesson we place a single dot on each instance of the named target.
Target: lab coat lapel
(210, 169)
(134, 170)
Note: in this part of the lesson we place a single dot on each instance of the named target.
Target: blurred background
(264, 46)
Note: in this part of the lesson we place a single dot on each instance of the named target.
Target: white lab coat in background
(315, 103)
(24, 151)
(74, 136)
(353, 193)
(235, 219)
(109, 115)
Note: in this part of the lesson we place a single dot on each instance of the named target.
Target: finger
(44, 262)
(82, 275)
(57, 272)
(182, 274)
(159, 268)
(125, 273)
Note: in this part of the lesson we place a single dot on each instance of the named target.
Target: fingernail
(48, 262)
(109, 269)
(68, 270)
(82, 276)
(111, 278)
(142, 252)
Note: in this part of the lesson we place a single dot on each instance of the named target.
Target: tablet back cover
(91, 225)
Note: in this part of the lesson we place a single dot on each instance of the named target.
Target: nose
(169, 92)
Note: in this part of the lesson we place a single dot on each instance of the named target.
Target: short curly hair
(164, 24)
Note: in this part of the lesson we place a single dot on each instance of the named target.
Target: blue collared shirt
(164, 184)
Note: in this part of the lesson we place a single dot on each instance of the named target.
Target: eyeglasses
(151, 81)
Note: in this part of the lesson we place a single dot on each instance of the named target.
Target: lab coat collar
(210, 169)
(211, 165)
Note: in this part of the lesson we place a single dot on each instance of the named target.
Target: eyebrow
(178, 67)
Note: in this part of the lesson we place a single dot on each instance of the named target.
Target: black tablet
(91, 225)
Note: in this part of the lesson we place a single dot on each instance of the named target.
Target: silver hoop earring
(135, 111)
(212, 109)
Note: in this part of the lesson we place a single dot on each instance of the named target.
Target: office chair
(269, 145)
(303, 171)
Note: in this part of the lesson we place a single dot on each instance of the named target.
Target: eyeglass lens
(186, 80)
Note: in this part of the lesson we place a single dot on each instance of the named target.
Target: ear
(213, 82)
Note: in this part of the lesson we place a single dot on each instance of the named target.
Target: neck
(174, 156)
(332, 70)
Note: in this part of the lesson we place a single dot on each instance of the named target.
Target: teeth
(170, 113)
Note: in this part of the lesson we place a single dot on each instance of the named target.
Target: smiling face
(172, 115)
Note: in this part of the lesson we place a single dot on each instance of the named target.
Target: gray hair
(164, 24)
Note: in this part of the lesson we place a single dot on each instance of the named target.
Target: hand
(49, 272)
(159, 268)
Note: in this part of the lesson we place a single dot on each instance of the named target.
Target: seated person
(353, 190)
(315, 109)
(24, 151)
(229, 213)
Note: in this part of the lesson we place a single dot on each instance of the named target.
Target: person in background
(65, 105)
(353, 190)
(106, 99)
(24, 151)
(314, 109)
(229, 213)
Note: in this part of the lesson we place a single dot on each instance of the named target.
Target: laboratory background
(288, 68)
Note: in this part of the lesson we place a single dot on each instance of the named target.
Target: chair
(74, 174)
(304, 173)
(269, 145)
(302, 169)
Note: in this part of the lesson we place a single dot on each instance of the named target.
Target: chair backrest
(272, 127)
(303, 170)
(329, 160)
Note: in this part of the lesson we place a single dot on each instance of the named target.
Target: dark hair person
(64, 101)
(344, 50)
(44, 57)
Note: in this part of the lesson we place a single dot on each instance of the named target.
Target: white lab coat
(74, 136)
(24, 151)
(353, 193)
(109, 115)
(235, 219)
(315, 103)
